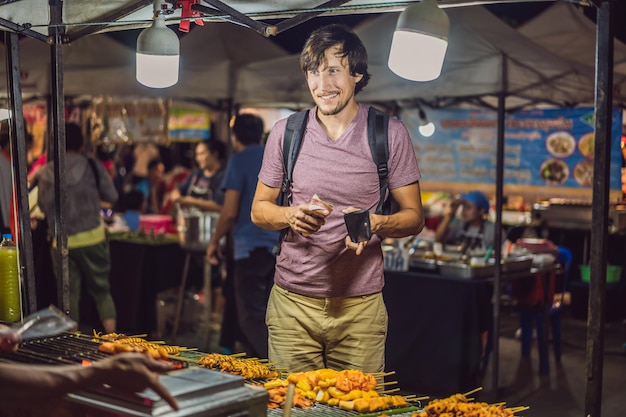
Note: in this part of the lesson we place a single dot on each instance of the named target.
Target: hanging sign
(544, 149)
(189, 123)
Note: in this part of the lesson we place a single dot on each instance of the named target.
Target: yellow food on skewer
(325, 386)
(459, 405)
(247, 368)
(117, 343)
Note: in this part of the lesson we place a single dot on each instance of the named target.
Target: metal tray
(462, 270)
(518, 263)
(426, 261)
(422, 263)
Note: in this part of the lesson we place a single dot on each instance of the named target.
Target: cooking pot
(195, 228)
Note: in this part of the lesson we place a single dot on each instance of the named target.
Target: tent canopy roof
(485, 58)
(78, 15)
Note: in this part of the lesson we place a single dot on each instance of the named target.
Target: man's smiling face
(331, 85)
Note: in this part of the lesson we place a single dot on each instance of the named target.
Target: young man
(254, 260)
(326, 307)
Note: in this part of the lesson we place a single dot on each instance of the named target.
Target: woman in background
(202, 189)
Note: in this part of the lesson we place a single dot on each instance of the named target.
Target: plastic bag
(44, 323)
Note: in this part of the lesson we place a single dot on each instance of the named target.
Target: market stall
(218, 385)
(602, 116)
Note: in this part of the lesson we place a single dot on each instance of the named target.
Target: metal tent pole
(600, 207)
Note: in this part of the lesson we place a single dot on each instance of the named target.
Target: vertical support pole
(501, 126)
(18, 156)
(600, 207)
(57, 116)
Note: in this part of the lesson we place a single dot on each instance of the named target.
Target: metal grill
(57, 350)
(199, 392)
(323, 410)
(69, 348)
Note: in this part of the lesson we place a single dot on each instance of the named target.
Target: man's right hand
(304, 221)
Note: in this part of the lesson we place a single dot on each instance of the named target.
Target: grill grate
(62, 349)
(323, 410)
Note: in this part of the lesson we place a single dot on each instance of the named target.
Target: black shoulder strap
(292, 139)
(94, 168)
(377, 124)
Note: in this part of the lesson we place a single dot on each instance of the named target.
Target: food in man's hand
(317, 203)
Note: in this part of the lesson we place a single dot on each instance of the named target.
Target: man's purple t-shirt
(341, 172)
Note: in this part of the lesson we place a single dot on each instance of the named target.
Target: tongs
(44, 323)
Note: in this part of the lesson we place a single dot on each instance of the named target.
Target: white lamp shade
(158, 52)
(157, 71)
(415, 56)
(427, 129)
(419, 42)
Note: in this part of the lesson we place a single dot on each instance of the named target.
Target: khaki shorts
(307, 333)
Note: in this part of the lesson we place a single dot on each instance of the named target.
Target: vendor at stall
(472, 231)
(202, 191)
(202, 188)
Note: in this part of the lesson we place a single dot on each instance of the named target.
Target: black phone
(358, 225)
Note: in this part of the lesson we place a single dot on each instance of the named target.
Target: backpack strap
(377, 125)
(292, 139)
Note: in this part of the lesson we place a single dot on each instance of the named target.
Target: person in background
(6, 182)
(104, 154)
(45, 283)
(87, 184)
(23, 383)
(134, 203)
(202, 189)
(326, 308)
(153, 187)
(8, 205)
(173, 178)
(472, 231)
(143, 153)
(253, 258)
(37, 164)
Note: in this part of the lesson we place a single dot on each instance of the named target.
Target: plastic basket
(613, 273)
(155, 223)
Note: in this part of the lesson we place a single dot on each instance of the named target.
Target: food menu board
(543, 148)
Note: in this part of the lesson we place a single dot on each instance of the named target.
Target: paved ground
(562, 393)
